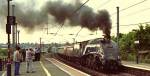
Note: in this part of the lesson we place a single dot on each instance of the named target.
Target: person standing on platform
(17, 58)
(29, 60)
(38, 51)
(23, 54)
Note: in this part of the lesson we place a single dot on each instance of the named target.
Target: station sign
(11, 20)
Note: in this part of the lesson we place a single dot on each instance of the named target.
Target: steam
(84, 17)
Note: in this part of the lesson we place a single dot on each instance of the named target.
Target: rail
(125, 71)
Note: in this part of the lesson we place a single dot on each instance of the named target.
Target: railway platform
(132, 64)
(47, 67)
(38, 71)
(1, 72)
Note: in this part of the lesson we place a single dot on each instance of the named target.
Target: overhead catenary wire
(71, 14)
(78, 32)
(136, 24)
(100, 6)
(115, 13)
(121, 10)
(82, 27)
(129, 7)
(106, 2)
(137, 12)
(80, 7)
(59, 29)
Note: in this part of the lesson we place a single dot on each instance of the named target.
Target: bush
(147, 60)
(131, 57)
(3, 52)
(124, 55)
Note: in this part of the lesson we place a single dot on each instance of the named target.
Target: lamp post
(8, 31)
(13, 29)
(18, 31)
(8, 27)
(117, 26)
(137, 43)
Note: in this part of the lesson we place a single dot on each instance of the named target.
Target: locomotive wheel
(98, 64)
(87, 61)
(90, 61)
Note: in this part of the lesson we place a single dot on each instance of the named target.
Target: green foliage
(3, 52)
(127, 46)
(114, 38)
(146, 61)
(131, 57)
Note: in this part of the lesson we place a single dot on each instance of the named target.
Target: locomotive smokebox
(107, 37)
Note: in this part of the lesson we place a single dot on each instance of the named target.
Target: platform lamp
(137, 43)
(10, 21)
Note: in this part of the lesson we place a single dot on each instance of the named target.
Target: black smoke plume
(84, 17)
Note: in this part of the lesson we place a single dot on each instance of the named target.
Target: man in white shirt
(29, 60)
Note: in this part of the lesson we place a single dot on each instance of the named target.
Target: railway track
(136, 71)
(125, 71)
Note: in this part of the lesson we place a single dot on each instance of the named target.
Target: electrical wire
(111, 14)
(59, 29)
(78, 32)
(79, 7)
(71, 14)
(106, 2)
(139, 11)
(129, 7)
(136, 24)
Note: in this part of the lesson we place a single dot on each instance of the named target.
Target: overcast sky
(137, 14)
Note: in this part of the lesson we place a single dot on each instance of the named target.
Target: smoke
(28, 18)
(84, 17)
(31, 18)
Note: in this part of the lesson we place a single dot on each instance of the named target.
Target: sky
(133, 15)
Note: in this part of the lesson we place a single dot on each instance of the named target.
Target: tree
(126, 41)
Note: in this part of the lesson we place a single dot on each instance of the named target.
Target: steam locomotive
(99, 54)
